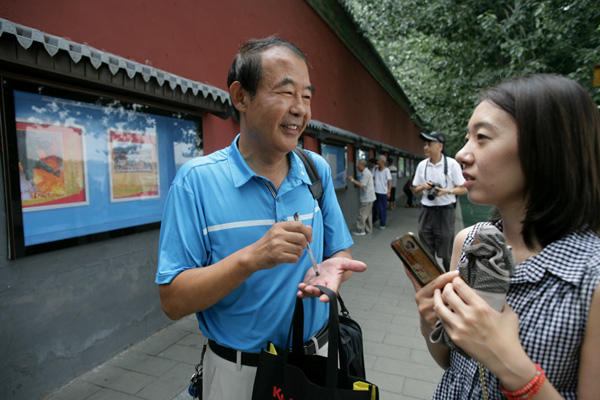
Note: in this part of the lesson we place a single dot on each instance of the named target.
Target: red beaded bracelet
(530, 389)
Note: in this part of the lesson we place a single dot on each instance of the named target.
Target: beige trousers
(364, 220)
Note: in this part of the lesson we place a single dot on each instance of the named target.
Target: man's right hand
(283, 243)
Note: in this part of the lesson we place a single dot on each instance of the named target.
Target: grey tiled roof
(156, 83)
(325, 131)
(27, 37)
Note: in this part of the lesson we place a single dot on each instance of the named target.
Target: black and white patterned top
(551, 292)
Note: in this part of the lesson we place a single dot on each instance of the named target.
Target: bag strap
(316, 187)
(297, 328)
(344, 313)
(334, 338)
(344, 310)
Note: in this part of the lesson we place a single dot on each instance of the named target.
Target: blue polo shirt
(216, 206)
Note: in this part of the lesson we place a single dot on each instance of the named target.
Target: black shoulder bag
(292, 374)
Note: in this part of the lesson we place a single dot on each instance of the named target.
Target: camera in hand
(433, 192)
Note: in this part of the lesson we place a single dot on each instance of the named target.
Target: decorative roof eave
(21, 46)
(79, 61)
(325, 132)
(337, 17)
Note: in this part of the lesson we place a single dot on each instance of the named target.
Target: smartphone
(416, 258)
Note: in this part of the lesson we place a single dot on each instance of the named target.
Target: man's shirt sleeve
(419, 178)
(181, 242)
(456, 173)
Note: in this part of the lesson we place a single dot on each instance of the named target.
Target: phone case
(416, 258)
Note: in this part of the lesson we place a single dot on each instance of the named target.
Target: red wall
(197, 39)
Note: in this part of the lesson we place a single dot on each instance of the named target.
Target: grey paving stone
(383, 350)
(409, 341)
(169, 385)
(109, 394)
(183, 354)
(372, 317)
(422, 357)
(407, 369)
(118, 379)
(163, 339)
(369, 362)
(376, 301)
(76, 390)
(383, 395)
(189, 324)
(372, 335)
(386, 382)
(143, 363)
(418, 389)
(194, 339)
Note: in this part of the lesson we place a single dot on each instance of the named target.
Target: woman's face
(491, 159)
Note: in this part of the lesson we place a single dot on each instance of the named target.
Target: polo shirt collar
(438, 163)
(298, 170)
(241, 173)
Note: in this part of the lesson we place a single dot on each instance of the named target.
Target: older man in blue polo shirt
(230, 248)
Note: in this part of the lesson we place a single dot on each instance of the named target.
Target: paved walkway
(381, 299)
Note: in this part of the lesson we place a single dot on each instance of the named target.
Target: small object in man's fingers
(310, 253)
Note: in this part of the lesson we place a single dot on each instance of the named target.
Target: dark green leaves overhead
(443, 52)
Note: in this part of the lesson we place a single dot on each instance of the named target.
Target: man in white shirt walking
(383, 189)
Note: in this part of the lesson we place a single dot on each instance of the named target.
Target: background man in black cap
(440, 180)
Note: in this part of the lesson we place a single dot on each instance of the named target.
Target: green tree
(443, 52)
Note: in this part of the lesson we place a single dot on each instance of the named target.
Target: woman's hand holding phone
(424, 297)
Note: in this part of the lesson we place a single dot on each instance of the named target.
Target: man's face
(432, 149)
(280, 109)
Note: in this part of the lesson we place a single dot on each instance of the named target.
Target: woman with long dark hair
(533, 152)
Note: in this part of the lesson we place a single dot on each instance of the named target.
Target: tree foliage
(443, 52)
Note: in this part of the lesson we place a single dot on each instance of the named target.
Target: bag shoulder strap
(316, 187)
(333, 352)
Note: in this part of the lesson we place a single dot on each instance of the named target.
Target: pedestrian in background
(439, 178)
(372, 166)
(383, 189)
(364, 220)
(394, 171)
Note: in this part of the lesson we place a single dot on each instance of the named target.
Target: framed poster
(52, 168)
(133, 166)
(82, 167)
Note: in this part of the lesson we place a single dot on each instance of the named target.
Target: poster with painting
(133, 166)
(52, 167)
